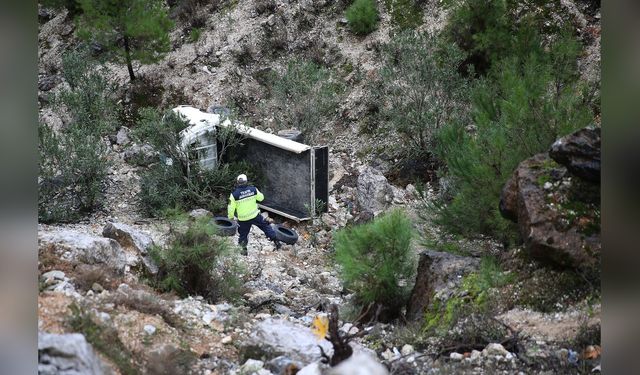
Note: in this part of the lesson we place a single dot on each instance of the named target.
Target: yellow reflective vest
(243, 203)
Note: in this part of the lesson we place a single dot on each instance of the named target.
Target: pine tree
(131, 29)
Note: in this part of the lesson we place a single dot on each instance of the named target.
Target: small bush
(103, 339)
(307, 96)
(196, 262)
(377, 261)
(194, 34)
(362, 16)
(86, 276)
(405, 14)
(422, 92)
(73, 162)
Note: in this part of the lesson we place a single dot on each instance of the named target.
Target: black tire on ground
(286, 235)
(292, 134)
(225, 226)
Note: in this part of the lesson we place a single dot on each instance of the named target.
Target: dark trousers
(245, 226)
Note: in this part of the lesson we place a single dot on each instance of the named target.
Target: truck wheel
(224, 226)
(286, 235)
(292, 134)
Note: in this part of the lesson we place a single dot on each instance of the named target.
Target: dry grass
(86, 276)
(48, 260)
(148, 304)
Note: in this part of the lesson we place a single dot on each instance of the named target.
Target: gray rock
(280, 364)
(358, 364)
(580, 153)
(438, 272)
(131, 238)
(251, 366)
(128, 237)
(456, 356)
(53, 275)
(549, 232)
(47, 83)
(200, 213)
(140, 155)
(374, 193)
(85, 248)
(97, 288)
(271, 338)
(122, 137)
(149, 329)
(314, 368)
(67, 354)
(494, 349)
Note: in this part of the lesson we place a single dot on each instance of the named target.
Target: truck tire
(292, 134)
(286, 235)
(224, 226)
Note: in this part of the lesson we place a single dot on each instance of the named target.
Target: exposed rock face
(559, 214)
(274, 337)
(68, 354)
(85, 248)
(438, 274)
(130, 238)
(580, 153)
(374, 193)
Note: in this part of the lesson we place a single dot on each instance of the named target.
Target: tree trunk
(127, 54)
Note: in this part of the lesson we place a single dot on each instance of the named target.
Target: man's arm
(259, 196)
(231, 208)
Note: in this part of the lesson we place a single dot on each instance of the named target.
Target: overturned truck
(296, 175)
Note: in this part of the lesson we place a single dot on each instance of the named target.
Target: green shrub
(197, 262)
(73, 162)
(376, 259)
(194, 34)
(307, 96)
(362, 16)
(466, 319)
(423, 91)
(104, 339)
(405, 14)
(491, 30)
(519, 110)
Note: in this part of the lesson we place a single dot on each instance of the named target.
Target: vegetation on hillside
(378, 263)
(530, 95)
(131, 30)
(362, 16)
(73, 162)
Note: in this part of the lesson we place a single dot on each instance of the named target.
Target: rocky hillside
(99, 310)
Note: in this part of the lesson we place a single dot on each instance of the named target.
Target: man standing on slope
(243, 203)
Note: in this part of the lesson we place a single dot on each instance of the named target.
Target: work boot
(243, 248)
(278, 244)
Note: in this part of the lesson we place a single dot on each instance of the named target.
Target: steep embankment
(97, 282)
